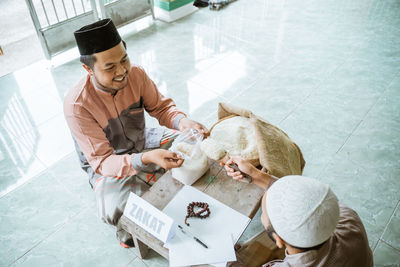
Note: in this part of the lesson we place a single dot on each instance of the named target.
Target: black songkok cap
(97, 37)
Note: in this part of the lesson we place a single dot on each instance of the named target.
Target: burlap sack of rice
(244, 134)
(236, 135)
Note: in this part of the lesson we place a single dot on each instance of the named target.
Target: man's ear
(88, 69)
(278, 240)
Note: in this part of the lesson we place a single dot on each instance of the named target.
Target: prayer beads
(203, 213)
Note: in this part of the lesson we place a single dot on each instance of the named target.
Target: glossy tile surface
(89, 244)
(325, 72)
(31, 213)
(386, 256)
(392, 232)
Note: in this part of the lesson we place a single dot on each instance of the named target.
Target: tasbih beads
(203, 213)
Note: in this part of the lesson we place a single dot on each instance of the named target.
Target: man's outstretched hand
(186, 123)
(163, 158)
(261, 179)
(243, 165)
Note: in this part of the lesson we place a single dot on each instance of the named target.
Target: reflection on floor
(325, 72)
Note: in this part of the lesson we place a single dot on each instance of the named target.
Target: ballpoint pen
(192, 236)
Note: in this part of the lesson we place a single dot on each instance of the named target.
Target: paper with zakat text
(149, 217)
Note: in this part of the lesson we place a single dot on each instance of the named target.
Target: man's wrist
(147, 157)
(137, 161)
(262, 179)
(254, 172)
(177, 120)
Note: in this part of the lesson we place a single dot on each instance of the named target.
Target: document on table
(219, 231)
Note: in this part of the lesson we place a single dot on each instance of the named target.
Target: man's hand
(185, 123)
(163, 158)
(244, 166)
(261, 179)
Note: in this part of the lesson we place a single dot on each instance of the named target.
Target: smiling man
(105, 113)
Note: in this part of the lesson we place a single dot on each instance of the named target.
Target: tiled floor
(326, 72)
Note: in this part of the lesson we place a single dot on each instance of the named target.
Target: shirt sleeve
(159, 106)
(94, 144)
(349, 223)
(273, 263)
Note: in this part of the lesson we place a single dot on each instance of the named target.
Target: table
(242, 197)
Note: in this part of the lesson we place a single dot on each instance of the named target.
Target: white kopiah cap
(303, 211)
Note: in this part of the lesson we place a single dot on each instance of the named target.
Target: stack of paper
(220, 231)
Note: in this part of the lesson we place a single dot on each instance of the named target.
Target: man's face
(264, 215)
(111, 68)
(264, 218)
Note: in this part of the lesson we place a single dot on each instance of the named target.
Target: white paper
(223, 264)
(184, 250)
(217, 230)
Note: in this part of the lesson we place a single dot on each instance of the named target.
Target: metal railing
(51, 12)
(55, 20)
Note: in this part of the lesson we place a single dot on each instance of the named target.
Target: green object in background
(170, 5)
(211, 179)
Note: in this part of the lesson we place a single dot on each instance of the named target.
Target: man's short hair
(89, 60)
(270, 229)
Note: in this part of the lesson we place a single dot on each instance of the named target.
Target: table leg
(140, 248)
